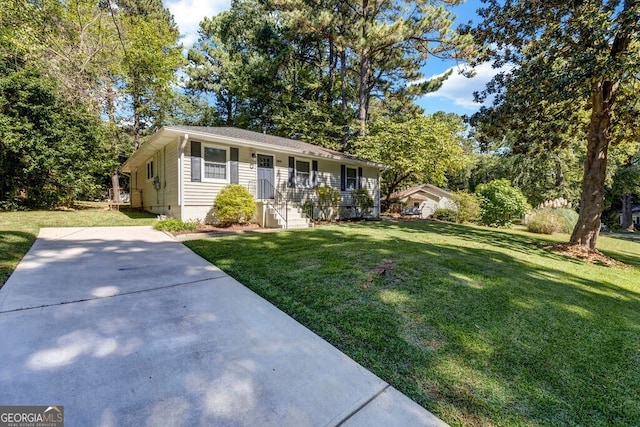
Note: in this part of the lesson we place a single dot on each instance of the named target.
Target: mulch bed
(580, 252)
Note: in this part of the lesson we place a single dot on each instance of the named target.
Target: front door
(265, 176)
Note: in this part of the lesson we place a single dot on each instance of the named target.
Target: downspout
(180, 173)
(378, 195)
(164, 180)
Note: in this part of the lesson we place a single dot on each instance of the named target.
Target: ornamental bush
(549, 221)
(362, 202)
(500, 202)
(234, 205)
(468, 206)
(447, 215)
(328, 200)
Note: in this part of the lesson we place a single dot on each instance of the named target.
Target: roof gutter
(259, 145)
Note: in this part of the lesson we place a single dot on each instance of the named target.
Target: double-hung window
(215, 163)
(352, 179)
(303, 174)
(150, 174)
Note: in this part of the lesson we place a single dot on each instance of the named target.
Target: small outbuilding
(423, 200)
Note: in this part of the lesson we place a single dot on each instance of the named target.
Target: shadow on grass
(479, 326)
(137, 213)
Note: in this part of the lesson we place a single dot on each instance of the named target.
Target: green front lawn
(18, 230)
(480, 326)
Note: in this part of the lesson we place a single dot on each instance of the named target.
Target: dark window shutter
(343, 178)
(314, 173)
(234, 166)
(359, 183)
(196, 164)
(292, 173)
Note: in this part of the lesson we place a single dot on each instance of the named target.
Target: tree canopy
(567, 57)
(315, 70)
(416, 150)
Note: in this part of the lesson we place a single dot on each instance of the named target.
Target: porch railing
(264, 190)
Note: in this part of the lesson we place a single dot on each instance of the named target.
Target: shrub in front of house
(468, 206)
(175, 225)
(234, 205)
(549, 221)
(328, 201)
(444, 214)
(362, 202)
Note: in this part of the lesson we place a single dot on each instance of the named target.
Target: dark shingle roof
(276, 141)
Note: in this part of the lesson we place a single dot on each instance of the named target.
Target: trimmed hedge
(234, 205)
(447, 215)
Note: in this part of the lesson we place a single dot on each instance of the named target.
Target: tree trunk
(115, 183)
(365, 65)
(627, 216)
(587, 228)
(344, 100)
(363, 94)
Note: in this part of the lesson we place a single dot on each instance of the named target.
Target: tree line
(95, 77)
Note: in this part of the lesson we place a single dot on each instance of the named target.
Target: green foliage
(362, 202)
(468, 206)
(421, 149)
(307, 209)
(53, 151)
(307, 70)
(548, 221)
(234, 205)
(173, 225)
(444, 214)
(500, 202)
(328, 200)
(571, 76)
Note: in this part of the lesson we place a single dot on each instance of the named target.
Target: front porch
(277, 210)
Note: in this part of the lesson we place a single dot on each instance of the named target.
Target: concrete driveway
(124, 326)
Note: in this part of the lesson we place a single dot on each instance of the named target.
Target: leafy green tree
(418, 150)
(567, 57)
(152, 55)
(500, 202)
(304, 69)
(52, 150)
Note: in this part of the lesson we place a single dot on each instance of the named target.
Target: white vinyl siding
(163, 200)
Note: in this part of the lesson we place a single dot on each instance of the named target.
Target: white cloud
(189, 13)
(459, 89)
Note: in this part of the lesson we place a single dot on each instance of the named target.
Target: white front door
(265, 177)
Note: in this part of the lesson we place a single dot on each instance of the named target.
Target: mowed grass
(480, 326)
(18, 230)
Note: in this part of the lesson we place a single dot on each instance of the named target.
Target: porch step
(296, 219)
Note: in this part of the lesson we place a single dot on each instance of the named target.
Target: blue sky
(455, 96)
